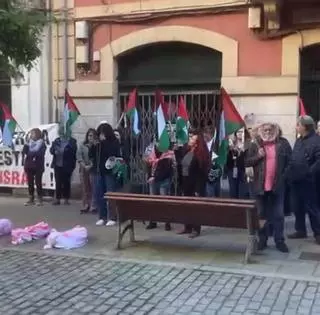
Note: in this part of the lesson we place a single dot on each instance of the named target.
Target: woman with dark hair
(64, 151)
(105, 181)
(235, 168)
(33, 155)
(85, 166)
(195, 167)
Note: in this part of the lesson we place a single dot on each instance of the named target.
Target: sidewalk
(216, 249)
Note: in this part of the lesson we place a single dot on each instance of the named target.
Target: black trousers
(34, 177)
(63, 183)
(189, 189)
(305, 201)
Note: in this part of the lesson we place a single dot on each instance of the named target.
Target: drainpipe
(49, 64)
(299, 67)
(65, 48)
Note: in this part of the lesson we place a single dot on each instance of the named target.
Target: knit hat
(306, 120)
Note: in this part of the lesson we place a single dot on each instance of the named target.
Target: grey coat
(83, 154)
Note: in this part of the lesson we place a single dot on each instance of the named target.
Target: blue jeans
(213, 189)
(238, 186)
(271, 208)
(103, 184)
(160, 188)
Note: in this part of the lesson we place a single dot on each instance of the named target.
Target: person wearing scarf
(33, 156)
(160, 171)
(269, 156)
(64, 151)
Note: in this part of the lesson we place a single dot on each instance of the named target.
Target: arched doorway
(176, 69)
(310, 79)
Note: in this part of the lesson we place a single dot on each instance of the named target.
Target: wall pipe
(65, 47)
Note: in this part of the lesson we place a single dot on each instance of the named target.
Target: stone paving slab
(218, 249)
(37, 283)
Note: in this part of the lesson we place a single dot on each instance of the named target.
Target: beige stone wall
(270, 98)
(150, 5)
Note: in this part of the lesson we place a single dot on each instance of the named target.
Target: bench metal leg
(251, 245)
(132, 236)
(252, 239)
(121, 232)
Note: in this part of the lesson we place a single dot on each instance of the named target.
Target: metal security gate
(202, 107)
(310, 80)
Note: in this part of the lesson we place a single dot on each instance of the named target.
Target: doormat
(310, 256)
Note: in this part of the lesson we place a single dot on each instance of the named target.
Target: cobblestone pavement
(33, 283)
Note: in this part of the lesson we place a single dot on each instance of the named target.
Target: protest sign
(11, 162)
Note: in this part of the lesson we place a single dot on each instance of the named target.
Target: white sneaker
(111, 223)
(100, 222)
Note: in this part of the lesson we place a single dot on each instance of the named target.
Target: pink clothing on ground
(270, 171)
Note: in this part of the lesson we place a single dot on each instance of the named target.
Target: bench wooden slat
(217, 212)
(223, 200)
(192, 212)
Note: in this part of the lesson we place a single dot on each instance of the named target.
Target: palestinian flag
(9, 127)
(159, 101)
(132, 112)
(302, 109)
(230, 122)
(182, 123)
(71, 113)
(163, 135)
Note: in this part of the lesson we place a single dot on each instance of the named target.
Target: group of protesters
(100, 146)
(260, 165)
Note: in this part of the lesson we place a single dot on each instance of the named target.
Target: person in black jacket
(64, 150)
(160, 168)
(304, 166)
(33, 156)
(105, 181)
(269, 155)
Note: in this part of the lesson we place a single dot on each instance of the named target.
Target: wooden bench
(216, 212)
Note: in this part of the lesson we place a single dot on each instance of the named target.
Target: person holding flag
(63, 150)
(160, 170)
(195, 167)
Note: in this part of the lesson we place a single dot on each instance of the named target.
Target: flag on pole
(230, 122)
(9, 127)
(132, 112)
(163, 135)
(302, 109)
(71, 113)
(159, 101)
(182, 123)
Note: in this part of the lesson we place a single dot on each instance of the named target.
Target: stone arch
(227, 46)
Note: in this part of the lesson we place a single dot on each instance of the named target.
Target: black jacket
(196, 181)
(305, 160)
(239, 160)
(34, 160)
(164, 169)
(69, 155)
(252, 159)
(100, 153)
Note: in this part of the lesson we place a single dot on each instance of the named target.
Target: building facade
(263, 52)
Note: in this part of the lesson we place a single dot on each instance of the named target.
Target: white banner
(11, 164)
